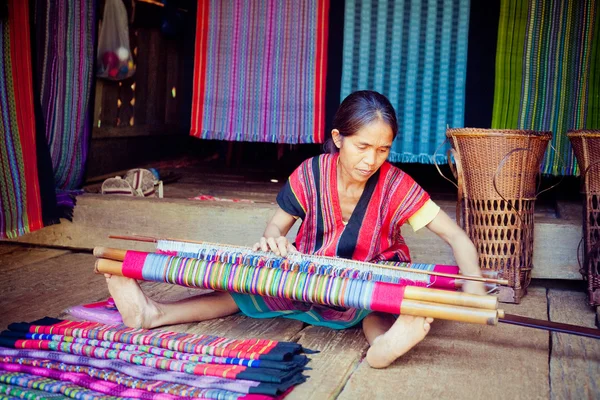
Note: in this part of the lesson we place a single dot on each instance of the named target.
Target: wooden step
(96, 217)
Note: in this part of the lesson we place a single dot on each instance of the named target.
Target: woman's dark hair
(358, 110)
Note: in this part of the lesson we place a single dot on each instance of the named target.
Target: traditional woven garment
(20, 203)
(11, 392)
(414, 52)
(128, 381)
(65, 39)
(82, 380)
(544, 74)
(167, 351)
(133, 351)
(260, 70)
(373, 232)
(168, 379)
(54, 386)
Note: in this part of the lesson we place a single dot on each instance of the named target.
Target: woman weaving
(352, 204)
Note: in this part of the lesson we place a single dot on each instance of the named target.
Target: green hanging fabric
(545, 72)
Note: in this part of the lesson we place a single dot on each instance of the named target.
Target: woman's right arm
(274, 236)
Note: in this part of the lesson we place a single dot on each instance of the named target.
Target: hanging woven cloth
(547, 72)
(415, 53)
(260, 70)
(65, 39)
(20, 203)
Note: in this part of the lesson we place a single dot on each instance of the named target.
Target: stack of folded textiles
(52, 358)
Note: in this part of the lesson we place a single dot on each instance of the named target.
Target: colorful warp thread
(140, 373)
(260, 71)
(314, 264)
(20, 203)
(415, 53)
(270, 282)
(65, 31)
(545, 76)
(165, 351)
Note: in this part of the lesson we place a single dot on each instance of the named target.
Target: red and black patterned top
(373, 232)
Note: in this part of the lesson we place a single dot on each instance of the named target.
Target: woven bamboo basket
(497, 174)
(586, 144)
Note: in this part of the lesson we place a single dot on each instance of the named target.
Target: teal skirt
(313, 314)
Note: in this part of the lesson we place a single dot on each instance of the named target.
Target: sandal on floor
(117, 186)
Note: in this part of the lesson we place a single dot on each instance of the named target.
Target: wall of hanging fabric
(65, 36)
(20, 203)
(547, 75)
(260, 71)
(415, 53)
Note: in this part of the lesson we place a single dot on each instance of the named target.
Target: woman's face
(363, 153)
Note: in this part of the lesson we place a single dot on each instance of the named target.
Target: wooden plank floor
(455, 360)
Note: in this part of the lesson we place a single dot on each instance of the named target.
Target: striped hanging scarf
(20, 203)
(260, 70)
(65, 37)
(547, 72)
(415, 53)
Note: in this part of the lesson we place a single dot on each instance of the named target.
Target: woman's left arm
(463, 248)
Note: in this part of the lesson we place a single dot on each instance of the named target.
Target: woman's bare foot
(137, 310)
(406, 332)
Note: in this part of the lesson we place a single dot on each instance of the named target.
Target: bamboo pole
(149, 239)
(110, 253)
(448, 297)
(409, 306)
(448, 312)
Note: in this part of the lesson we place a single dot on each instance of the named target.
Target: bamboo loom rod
(408, 306)
(411, 292)
(149, 239)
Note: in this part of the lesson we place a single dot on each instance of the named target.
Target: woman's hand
(280, 246)
(274, 236)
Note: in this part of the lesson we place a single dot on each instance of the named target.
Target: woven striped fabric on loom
(20, 203)
(260, 69)
(314, 264)
(65, 74)
(415, 53)
(547, 75)
(119, 361)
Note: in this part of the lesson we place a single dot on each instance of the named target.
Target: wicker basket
(586, 144)
(497, 174)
